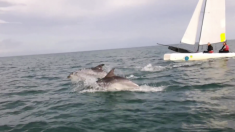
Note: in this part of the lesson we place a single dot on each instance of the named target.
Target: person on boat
(224, 49)
(209, 49)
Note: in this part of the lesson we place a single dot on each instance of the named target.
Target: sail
(213, 28)
(191, 32)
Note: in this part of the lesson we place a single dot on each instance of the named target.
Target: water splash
(186, 64)
(143, 88)
(131, 76)
(86, 75)
(151, 68)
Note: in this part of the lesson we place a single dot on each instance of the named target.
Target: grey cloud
(8, 4)
(127, 19)
(5, 4)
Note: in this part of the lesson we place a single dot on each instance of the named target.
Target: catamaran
(212, 30)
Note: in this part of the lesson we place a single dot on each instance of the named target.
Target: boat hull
(195, 56)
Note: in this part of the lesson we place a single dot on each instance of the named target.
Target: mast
(201, 26)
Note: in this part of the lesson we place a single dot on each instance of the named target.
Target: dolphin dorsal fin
(111, 73)
(99, 67)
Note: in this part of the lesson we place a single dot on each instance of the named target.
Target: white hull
(195, 56)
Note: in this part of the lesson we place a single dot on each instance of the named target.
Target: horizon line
(75, 51)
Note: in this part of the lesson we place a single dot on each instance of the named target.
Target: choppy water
(36, 95)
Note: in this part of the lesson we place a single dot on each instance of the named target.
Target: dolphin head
(98, 68)
(84, 74)
(70, 75)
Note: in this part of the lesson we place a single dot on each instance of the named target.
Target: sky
(54, 26)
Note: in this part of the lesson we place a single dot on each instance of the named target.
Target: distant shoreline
(77, 51)
(88, 50)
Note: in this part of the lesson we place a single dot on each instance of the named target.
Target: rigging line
(201, 26)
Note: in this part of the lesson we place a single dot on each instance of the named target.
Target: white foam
(151, 68)
(131, 76)
(88, 84)
(186, 64)
(143, 88)
(146, 88)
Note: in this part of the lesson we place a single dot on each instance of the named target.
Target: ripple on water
(173, 96)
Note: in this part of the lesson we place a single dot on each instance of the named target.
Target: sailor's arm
(222, 48)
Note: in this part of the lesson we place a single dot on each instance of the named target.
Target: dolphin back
(116, 82)
(110, 74)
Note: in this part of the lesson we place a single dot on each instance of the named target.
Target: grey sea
(36, 95)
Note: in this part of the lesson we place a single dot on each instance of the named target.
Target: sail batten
(213, 29)
(191, 32)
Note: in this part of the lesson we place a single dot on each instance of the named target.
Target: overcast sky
(53, 26)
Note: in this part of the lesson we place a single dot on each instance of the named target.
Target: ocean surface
(37, 96)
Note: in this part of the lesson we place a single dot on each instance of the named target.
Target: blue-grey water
(36, 95)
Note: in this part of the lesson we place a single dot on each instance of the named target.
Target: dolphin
(111, 81)
(94, 72)
(98, 68)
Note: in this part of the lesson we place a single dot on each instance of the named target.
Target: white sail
(191, 32)
(213, 29)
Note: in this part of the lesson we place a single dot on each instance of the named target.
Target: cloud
(70, 8)
(2, 22)
(5, 4)
(50, 26)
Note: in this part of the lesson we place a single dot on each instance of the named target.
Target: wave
(186, 64)
(151, 68)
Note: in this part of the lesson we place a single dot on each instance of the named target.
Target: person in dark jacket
(224, 49)
(209, 49)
